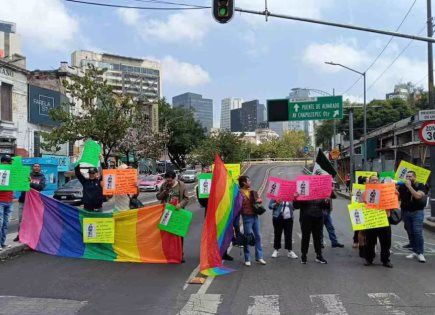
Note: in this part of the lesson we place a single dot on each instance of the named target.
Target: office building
(253, 113)
(236, 120)
(202, 108)
(227, 105)
(10, 41)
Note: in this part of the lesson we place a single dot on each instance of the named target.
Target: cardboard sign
(387, 177)
(175, 221)
(365, 174)
(17, 160)
(314, 187)
(421, 173)
(91, 153)
(381, 196)
(364, 219)
(281, 189)
(358, 192)
(204, 185)
(14, 177)
(119, 182)
(99, 230)
(233, 170)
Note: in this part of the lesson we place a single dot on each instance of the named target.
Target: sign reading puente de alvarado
(316, 108)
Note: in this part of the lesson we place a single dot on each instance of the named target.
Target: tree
(292, 143)
(104, 116)
(324, 134)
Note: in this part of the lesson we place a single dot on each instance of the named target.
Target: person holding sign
(92, 189)
(381, 233)
(5, 208)
(413, 202)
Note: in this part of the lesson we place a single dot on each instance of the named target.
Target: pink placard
(314, 187)
(282, 189)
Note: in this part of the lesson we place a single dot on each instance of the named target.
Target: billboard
(41, 101)
(48, 168)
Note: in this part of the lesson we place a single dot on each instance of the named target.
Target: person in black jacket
(92, 189)
(37, 182)
(311, 219)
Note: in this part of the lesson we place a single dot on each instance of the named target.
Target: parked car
(71, 193)
(150, 182)
(189, 176)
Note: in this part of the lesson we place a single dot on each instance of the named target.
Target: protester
(282, 221)
(327, 222)
(358, 237)
(92, 189)
(413, 201)
(6, 198)
(251, 223)
(37, 182)
(381, 233)
(122, 202)
(347, 180)
(311, 219)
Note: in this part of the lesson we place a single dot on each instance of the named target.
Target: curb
(14, 251)
(428, 225)
(342, 194)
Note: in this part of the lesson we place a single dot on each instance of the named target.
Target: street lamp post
(363, 74)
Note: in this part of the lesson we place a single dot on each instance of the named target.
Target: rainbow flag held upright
(224, 205)
(54, 228)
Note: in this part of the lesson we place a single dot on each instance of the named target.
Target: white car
(189, 176)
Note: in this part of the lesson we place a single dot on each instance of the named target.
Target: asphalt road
(284, 286)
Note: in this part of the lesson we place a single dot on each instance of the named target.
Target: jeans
(414, 226)
(327, 221)
(311, 225)
(251, 224)
(5, 213)
(372, 235)
(279, 225)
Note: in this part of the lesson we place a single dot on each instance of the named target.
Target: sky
(247, 57)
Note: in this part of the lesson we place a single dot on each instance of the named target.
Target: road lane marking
(202, 304)
(387, 300)
(426, 243)
(264, 304)
(331, 302)
(17, 305)
(192, 275)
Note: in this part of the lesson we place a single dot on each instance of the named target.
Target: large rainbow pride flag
(54, 228)
(223, 207)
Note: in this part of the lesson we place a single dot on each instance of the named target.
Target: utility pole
(334, 144)
(351, 153)
(431, 104)
(365, 164)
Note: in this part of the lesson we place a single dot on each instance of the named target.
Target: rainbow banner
(54, 228)
(223, 207)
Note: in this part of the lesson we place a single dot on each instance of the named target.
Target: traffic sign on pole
(427, 132)
(317, 108)
(427, 114)
(306, 150)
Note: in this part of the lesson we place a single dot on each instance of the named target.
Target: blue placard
(63, 162)
(48, 168)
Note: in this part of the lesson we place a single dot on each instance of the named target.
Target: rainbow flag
(54, 228)
(223, 207)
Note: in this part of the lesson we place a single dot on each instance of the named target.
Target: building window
(6, 102)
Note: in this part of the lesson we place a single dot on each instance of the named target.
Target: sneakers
(291, 254)
(339, 245)
(321, 260)
(17, 239)
(227, 257)
(388, 264)
(247, 263)
(261, 261)
(411, 256)
(368, 263)
(275, 253)
(421, 258)
(304, 259)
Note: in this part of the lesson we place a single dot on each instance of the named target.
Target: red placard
(427, 132)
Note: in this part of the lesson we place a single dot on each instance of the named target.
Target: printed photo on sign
(166, 217)
(110, 182)
(91, 230)
(358, 195)
(358, 217)
(402, 173)
(4, 177)
(274, 188)
(205, 186)
(303, 188)
(373, 196)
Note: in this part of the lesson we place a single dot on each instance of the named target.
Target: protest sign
(14, 177)
(387, 177)
(365, 174)
(119, 182)
(357, 192)
(281, 189)
(364, 219)
(91, 153)
(98, 230)
(381, 196)
(404, 167)
(314, 187)
(17, 160)
(175, 221)
(204, 185)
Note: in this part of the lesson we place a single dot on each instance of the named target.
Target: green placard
(14, 177)
(387, 177)
(91, 153)
(17, 160)
(175, 221)
(204, 185)
(317, 108)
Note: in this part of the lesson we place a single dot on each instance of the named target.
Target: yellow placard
(99, 230)
(421, 173)
(364, 219)
(357, 192)
(365, 174)
(233, 169)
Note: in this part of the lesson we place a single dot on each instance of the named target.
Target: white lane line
(430, 294)
(202, 304)
(331, 302)
(404, 237)
(17, 305)
(387, 300)
(264, 304)
(192, 275)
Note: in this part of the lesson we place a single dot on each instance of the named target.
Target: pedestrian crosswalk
(321, 304)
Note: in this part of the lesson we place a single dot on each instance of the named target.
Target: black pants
(311, 225)
(279, 224)
(355, 237)
(384, 235)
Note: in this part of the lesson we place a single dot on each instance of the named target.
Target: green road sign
(317, 108)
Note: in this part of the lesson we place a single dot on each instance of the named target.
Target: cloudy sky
(248, 57)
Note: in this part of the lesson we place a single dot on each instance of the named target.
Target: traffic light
(223, 10)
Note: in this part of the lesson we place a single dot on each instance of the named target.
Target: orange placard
(381, 196)
(119, 182)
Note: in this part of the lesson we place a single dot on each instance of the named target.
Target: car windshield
(150, 178)
(73, 184)
(190, 172)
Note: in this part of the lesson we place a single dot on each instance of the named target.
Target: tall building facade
(10, 41)
(227, 105)
(202, 108)
(236, 120)
(139, 78)
(253, 114)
